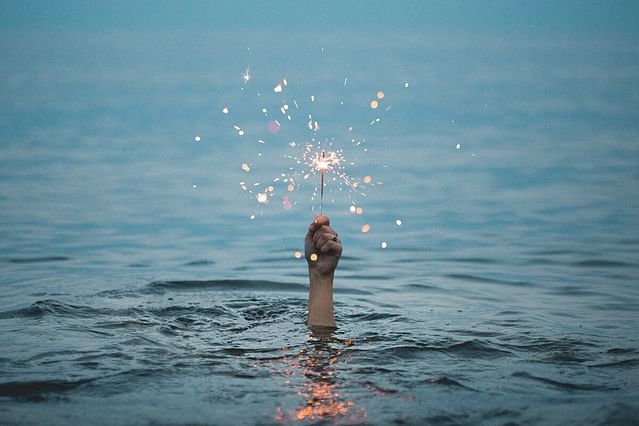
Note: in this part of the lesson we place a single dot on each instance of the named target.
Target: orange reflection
(319, 390)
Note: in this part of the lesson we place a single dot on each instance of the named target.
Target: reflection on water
(321, 385)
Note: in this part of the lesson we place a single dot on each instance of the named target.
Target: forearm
(320, 299)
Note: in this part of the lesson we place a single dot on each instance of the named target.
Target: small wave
(190, 285)
(417, 286)
(36, 391)
(38, 259)
(479, 260)
(200, 263)
(563, 385)
(476, 349)
(478, 279)
(372, 316)
(603, 263)
(379, 390)
(446, 381)
(633, 362)
(467, 349)
(49, 307)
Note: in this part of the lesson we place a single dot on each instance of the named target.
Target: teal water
(136, 288)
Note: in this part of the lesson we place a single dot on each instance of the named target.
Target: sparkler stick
(322, 182)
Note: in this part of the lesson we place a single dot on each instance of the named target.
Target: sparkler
(311, 157)
(323, 162)
(322, 169)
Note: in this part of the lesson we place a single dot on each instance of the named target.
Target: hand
(323, 242)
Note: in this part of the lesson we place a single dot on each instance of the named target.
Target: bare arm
(323, 250)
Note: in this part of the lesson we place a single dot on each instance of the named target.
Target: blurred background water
(136, 288)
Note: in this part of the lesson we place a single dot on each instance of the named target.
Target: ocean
(144, 283)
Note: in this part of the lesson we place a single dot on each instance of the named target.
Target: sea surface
(140, 284)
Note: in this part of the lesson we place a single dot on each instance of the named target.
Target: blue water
(136, 288)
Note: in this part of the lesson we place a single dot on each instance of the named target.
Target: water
(506, 296)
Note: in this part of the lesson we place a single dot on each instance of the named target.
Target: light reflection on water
(320, 388)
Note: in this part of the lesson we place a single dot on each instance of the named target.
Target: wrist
(318, 277)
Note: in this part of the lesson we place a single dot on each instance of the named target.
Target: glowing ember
(262, 197)
(286, 203)
(298, 254)
(246, 75)
(374, 104)
(313, 257)
(246, 167)
(273, 126)
(365, 228)
(367, 179)
(380, 95)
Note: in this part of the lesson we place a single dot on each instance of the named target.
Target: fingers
(322, 238)
(325, 232)
(331, 247)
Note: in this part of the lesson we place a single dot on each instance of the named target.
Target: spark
(246, 75)
(262, 197)
(197, 139)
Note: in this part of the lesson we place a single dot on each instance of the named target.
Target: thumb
(322, 220)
